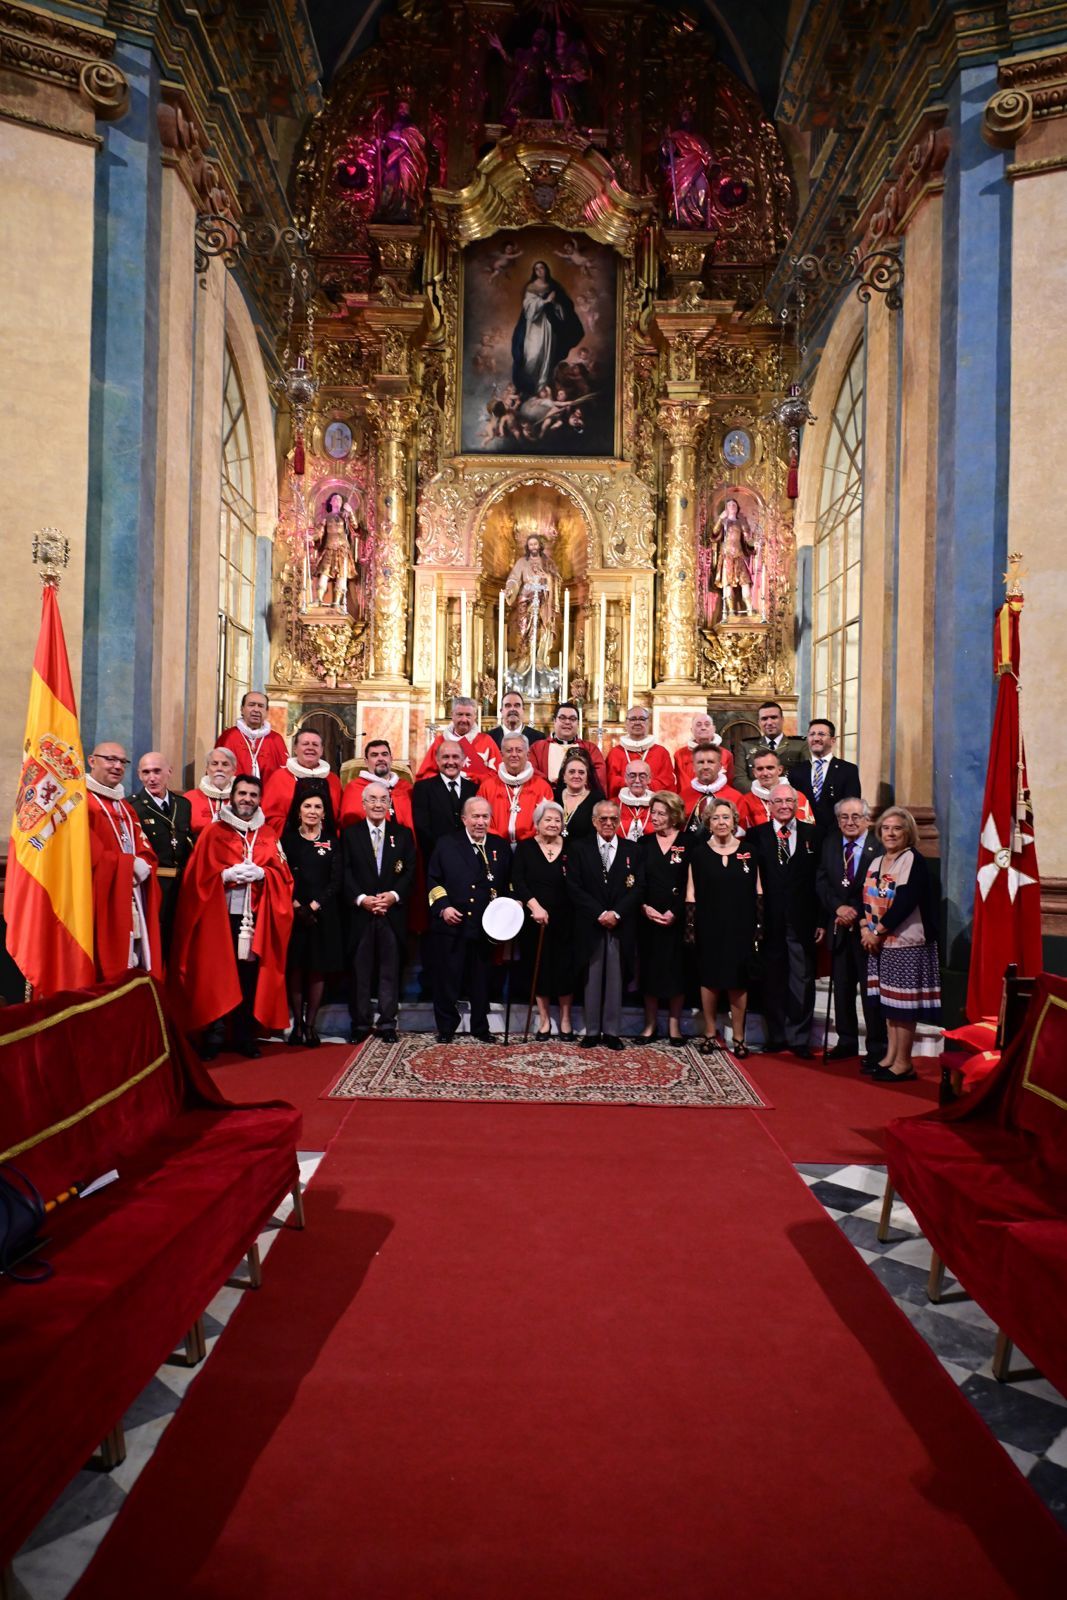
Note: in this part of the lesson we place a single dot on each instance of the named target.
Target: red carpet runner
(571, 1352)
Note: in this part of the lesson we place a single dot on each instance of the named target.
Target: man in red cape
(639, 743)
(259, 750)
(125, 889)
(378, 755)
(1007, 899)
(480, 752)
(213, 790)
(514, 791)
(307, 768)
(236, 873)
(549, 755)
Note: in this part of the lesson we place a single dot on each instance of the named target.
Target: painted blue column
(119, 638)
(261, 627)
(972, 490)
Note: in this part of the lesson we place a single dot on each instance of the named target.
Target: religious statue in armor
(690, 174)
(532, 596)
(335, 560)
(733, 547)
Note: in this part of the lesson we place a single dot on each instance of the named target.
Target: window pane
(237, 545)
(836, 565)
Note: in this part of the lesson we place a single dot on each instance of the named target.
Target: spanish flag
(49, 900)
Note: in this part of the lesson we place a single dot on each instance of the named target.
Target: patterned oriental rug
(417, 1068)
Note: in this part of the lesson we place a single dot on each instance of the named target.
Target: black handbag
(22, 1216)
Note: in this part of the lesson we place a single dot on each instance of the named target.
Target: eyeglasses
(111, 761)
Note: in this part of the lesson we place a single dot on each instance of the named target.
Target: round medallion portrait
(337, 440)
(737, 447)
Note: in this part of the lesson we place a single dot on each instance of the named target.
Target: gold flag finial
(51, 552)
(1013, 578)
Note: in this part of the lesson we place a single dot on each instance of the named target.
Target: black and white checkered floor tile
(1027, 1415)
(64, 1542)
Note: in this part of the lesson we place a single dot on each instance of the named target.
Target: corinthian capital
(393, 415)
(681, 421)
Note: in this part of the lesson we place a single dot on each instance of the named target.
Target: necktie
(378, 848)
(817, 776)
(605, 856)
(851, 852)
(783, 844)
(164, 806)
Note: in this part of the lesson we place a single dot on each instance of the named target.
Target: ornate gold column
(681, 421)
(393, 416)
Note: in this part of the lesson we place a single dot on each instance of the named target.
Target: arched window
(237, 549)
(836, 581)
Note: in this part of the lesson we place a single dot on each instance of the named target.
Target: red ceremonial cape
(727, 792)
(481, 755)
(113, 892)
(273, 753)
(203, 978)
(498, 794)
(627, 815)
(683, 765)
(278, 797)
(203, 810)
(659, 763)
(352, 801)
(539, 758)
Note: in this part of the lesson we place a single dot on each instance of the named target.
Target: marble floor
(1027, 1415)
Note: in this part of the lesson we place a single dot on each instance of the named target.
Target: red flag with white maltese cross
(1007, 898)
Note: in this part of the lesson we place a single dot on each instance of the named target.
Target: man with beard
(258, 749)
(125, 891)
(213, 790)
(514, 791)
(707, 783)
(512, 720)
(378, 756)
(235, 914)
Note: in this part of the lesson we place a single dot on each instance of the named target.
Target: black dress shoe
(252, 1050)
(483, 1035)
(774, 1047)
(843, 1052)
(444, 1038)
(868, 1068)
(610, 1041)
(358, 1035)
(296, 1034)
(801, 1052)
(311, 1038)
(387, 1035)
(590, 1041)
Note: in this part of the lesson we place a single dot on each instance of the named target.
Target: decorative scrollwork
(215, 237)
(880, 271)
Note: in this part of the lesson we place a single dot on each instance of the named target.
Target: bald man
(213, 790)
(379, 867)
(167, 822)
(125, 889)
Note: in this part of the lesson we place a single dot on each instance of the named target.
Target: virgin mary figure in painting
(547, 330)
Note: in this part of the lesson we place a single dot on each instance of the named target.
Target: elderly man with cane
(606, 878)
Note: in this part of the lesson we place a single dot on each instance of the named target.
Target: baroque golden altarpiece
(466, 133)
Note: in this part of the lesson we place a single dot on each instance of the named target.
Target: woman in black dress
(578, 791)
(314, 856)
(722, 884)
(539, 879)
(661, 927)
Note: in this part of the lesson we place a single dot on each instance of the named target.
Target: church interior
(741, 316)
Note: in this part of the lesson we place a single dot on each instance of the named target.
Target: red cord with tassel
(298, 456)
(792, 486)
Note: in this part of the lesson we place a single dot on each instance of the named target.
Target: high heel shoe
(677, 1041)
(544, 1033)
(568, 1037)
(296, 1035)
(647, 1038)
(740, 1050)
(311, 1038)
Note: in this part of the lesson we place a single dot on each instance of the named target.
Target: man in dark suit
(513, 719)
(468, 868)
(787, 854)
(379, 867)
(166, 820)
(824, 778)
(843, 864)
(606, 878)
(787, 747)
(437, 803)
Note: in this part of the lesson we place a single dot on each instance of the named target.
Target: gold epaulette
(438, 894)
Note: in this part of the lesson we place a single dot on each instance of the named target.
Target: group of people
(637, 870)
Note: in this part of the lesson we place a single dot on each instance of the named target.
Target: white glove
(141, 870)
(234, 874)
(253, 872)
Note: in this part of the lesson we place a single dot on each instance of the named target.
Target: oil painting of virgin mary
(539, 345)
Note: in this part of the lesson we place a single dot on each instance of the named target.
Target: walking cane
(533, 984)
(511, 981)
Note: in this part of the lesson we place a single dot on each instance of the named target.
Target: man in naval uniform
(467, 870)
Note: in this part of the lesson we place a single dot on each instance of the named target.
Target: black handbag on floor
(22, 1216)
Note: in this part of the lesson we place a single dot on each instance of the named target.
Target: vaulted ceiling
(751, 33)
